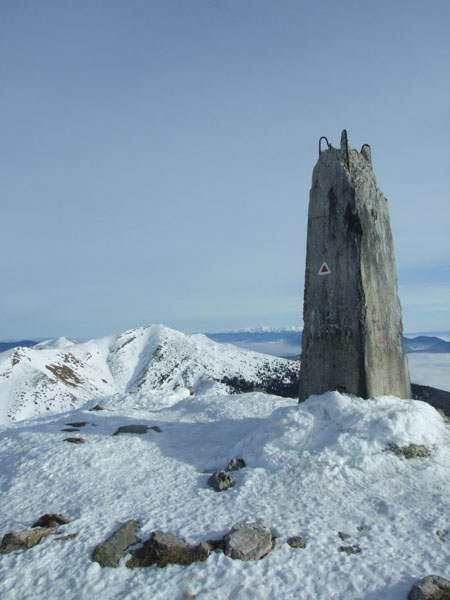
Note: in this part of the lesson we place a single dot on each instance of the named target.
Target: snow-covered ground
(312, 470)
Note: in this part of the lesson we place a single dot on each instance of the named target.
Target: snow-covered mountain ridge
(61, 374)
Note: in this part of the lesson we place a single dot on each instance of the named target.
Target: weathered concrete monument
(353, 335)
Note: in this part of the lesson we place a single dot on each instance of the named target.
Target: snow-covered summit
(62, 374)
(59, 343)
(323, 470)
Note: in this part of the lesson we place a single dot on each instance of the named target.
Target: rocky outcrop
(166, 548)
(109, 553)
(140, 429)
(51, 520)
(235, 464)
(297, 542)
(23, 540)
(248, 541)
(220, 481)
(354, 549)
(411, 451)
(431, 587)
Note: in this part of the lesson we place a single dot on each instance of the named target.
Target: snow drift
(317, 470)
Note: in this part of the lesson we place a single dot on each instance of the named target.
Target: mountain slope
(424, 343)
(63, 374)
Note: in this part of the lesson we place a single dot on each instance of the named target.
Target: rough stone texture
(431, 587)
(355, 549)
(220, 481)
(411, 451)
(51, 520)
(235, 464)
(248, 541)
(297, 542)
(74, 440)
(166, 548)
(22, 540)
(96, 408)
(352, 336)
(132, 429)
(109, 553)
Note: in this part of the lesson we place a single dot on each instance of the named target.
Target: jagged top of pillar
(345, 152)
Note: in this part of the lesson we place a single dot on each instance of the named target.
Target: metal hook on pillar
(328, 144)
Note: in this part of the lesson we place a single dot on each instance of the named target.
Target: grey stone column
(353, 334)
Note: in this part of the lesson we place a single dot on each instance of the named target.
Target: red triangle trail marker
(324, 269)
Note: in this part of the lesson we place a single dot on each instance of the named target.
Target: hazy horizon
(156, 157)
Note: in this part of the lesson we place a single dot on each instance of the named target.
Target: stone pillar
(353, 335)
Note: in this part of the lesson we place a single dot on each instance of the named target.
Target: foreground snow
(312, 470)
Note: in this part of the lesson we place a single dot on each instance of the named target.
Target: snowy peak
(59, 343)
(62, 375)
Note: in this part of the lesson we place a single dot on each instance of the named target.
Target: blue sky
(156, 156)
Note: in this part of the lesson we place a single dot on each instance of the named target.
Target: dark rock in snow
(96, 407)
(51, 520)
(235, 464)
(220, 481)
(132, 429)
(431, 587)
(248, 541)
(411, 451)
(23, 540)
(355, 549)
(297, 542)
(64, 538)
(77, 423)
(166, 548)
(343, 536)
(156, 428)
(74, 440)
(109, 553)
(70, 429)
(441, 535)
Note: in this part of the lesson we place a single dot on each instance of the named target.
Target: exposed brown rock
(51, 520)
(109, 553)
(23, 540)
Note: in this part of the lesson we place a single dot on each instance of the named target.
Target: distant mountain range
(282, 342)
(23, 343)
(61, 374)
(287, 342)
